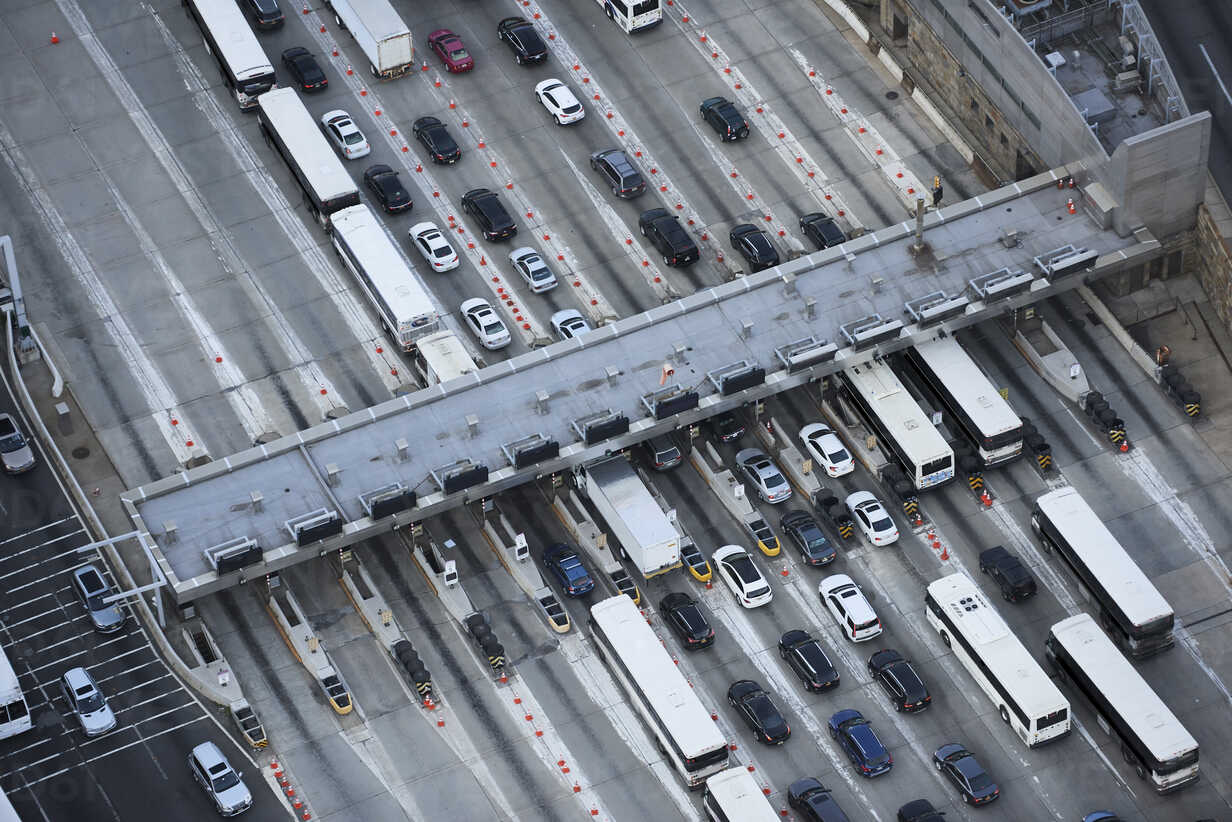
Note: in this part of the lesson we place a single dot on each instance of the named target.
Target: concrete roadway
(53, 771)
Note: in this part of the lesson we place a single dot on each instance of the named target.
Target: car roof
(78, 678)
(209, 755)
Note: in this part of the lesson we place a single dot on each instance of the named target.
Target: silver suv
(16, 455)
(91, 589)
(219, 780)
(87, 702)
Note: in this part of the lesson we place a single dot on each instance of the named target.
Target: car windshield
(11, 442)
(353, 138)
(758, 592)
(573, 108)
(838, 456)
(775, 479)
(574, 571)
(980, 782)
(884, 524)
(541, 274)
(90, 704)
(745, 569)
(442, 251)
(457, 52)
(225, 782)
(493, 328)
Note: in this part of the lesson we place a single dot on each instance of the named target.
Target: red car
(448, 46)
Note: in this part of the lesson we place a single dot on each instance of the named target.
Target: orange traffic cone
(54, 39)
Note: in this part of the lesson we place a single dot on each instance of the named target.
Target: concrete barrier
(517, 562)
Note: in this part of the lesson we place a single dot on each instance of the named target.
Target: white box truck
(633, 515)
(380, 32)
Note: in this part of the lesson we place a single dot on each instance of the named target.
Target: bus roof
(1123, 687)
(446, 355)
(10, 687)
(384, 264)
(992, 639)
(1100, 551)
(969, 386)
(899, 412)
(665, 688)
(303, 138)
(240, 48)
(739, 795)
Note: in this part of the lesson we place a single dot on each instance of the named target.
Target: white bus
(633, 15)
(688, 738)
(1153, 741)
(1023, 694)
(407, 312)
(7, 812)
(246, 70)
(290, 129)
(1131, 609)
(14, 713)
(441, 356)
(733, 795)
(969, 399)
(903, 432)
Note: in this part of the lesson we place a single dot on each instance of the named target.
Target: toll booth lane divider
(210, 662)
(307, 646)
(514, 554)
(592, 541)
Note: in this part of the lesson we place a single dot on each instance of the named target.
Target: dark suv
(687, 620)
(857, 739)
(667, 235)
(1011, 575)
(725, 119)
(804, 531)
(527, 46)
(264, 14)
(618, 171)
(485, 206)
(899, 680)
(754, 245)
(822, 230)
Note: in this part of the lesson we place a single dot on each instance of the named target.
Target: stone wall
(1212, 255)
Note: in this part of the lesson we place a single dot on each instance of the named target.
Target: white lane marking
(907, 186)
(606, 694)
(787, 148)
(631, 246)
(41, 528)
(1022, 541)
(1082, 729)
(352, 310)
(1086, 429)
(20, 553)
(370, 103)
(369, 749)
(160, 400)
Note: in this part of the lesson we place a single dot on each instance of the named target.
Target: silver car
(760, 470)
(16, 455)
(532, 268)
(92, 589)
(87, 702)
(219, 780)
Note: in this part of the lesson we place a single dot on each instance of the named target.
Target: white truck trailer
(380, 32)
(634, 517)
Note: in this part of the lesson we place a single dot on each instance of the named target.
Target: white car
(736, 568)
(760, 470)
(434, 246)
(569, 323)
(849, 607)
(872, 517)
(345, 134)
(556, 97)
(533, 270)
(484, 324)
(87, 702)
(827, 449)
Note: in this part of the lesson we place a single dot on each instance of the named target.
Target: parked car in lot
(561, 104)
(858, 740)
(759, 712)
(726, 120)
(813, 803)
(305, 70)
(827, 450)
(523, 40)
(742, 576)
(821, 230)
(91, 588)
(485, 206)
(807, 535)
(16, 453)
(1012, 577)
(618, 171)
(808, 660)
(483, 322)
(434, 247)
(569, 323)
(87, 702)
(962, 768)
(668, 237)
(898, 678)
(754, 245)
(849, 607)
(345, 135)
(872, 518)
(687, 620)
(221, 783)
(448, 46)
(533, 269)
(765, 476)
(436, 139)
(387, 188)
(567, 566)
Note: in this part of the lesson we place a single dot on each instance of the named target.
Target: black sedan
(899, 680)
(755, 707)
(300, 63)
(804, 531)
(387, 189)
(813, 802)
(962, 768)
(822, 230)
(433, 136)
(727, 427)
(808, 659)
(525, 43)
(1010, 574)
(687, 620)
(754, 246)
(920, 810)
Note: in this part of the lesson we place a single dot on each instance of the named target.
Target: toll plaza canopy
(542, 412)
